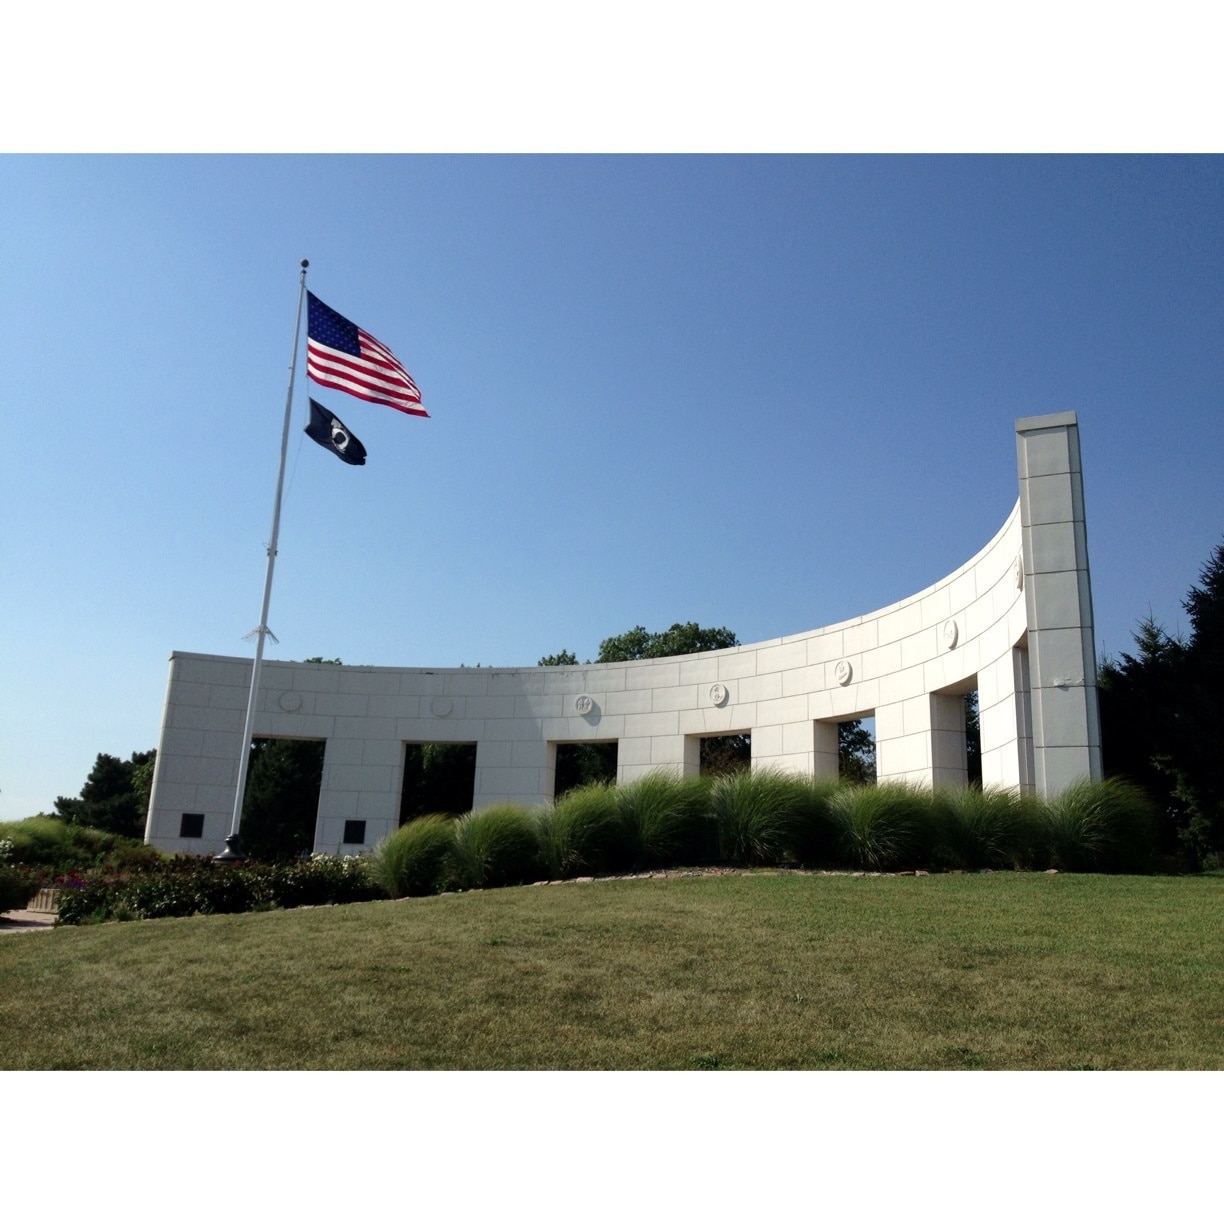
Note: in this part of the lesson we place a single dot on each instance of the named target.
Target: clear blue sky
(766, 393)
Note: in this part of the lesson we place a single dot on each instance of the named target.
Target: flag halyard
(340, 355)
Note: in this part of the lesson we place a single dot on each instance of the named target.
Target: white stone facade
(1014, 623)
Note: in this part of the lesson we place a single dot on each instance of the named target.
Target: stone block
(826, 647)
(734, 666)
(900, 623)
(494, 754)
(394, 705)
(1050, 500)
(683, 697)
(368, 682)
(857, 638)
(1045, 452)
(702, 669)
(1052, 547)
(781, 658)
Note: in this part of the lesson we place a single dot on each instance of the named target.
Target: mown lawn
(751, 971)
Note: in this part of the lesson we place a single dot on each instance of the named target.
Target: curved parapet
(1013, 623)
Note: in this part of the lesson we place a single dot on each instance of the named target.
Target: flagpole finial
(305, 263)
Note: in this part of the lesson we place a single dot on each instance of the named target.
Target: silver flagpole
(233, 851)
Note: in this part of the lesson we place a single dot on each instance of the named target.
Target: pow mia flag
(331, 433)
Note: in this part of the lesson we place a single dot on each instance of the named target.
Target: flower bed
(179, 887)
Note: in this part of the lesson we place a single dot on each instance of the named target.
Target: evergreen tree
(115, 796)
(1198, 768)
(1162, 719)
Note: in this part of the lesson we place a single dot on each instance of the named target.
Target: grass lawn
(747, 971)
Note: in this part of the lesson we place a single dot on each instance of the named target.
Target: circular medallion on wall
(949, 633)
(440, 707)
(718, 694)
(584, 705)
(289, 702)
(843, 671)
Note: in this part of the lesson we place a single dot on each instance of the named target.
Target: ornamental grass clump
(983, 828)
(757, 814)
(493, 847)
(414, 860)
(664, 821)
(1109, 825)
(814, 833)
(581, 833)
(884, 827)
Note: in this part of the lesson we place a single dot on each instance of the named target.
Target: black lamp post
(232, 852)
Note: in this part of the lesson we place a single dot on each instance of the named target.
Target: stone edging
(679, 873)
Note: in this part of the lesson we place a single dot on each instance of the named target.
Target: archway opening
(973, 739)
(437, 778)
(281, 803)
(856, 750)
(584, 762)
(956, 740)
(723, 754)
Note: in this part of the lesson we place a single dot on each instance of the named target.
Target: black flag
(331, 433)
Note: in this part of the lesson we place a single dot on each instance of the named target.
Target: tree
(142, 783)
(114, 797)
(1197, 765)
(689, 638)
(1162, 718)
(856, 755)
(1139, 697)
(566, 658)
(281, 803)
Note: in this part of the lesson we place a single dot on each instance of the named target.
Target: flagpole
(233, 851)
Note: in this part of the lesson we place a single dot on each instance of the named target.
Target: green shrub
(495, 846)
(664, 821)
(321, 879)
(581, 832)
(55, 847)
(413, 861)
(174, 889)
(758, 814)
(17, 886)
(1101, 826)
(884, 827)
(983, 828)
(177, 888)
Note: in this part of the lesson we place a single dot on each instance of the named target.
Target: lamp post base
(232, 852)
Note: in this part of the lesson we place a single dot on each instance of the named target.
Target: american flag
(342, 356)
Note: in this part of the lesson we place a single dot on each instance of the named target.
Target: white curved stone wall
(1014, 622)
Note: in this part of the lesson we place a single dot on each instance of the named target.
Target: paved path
(25, 920)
